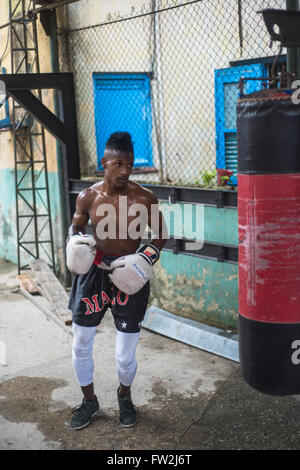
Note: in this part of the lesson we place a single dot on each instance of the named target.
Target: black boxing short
(93, 293)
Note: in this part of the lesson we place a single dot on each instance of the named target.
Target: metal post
(293, 58)
(64, 217)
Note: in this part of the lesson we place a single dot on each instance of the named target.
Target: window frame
(231, 75)
(143, 166)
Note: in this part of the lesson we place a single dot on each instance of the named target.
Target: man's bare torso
(109, 214)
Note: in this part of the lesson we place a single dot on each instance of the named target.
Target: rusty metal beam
(50, 6)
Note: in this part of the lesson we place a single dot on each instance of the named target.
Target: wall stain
(195, 298)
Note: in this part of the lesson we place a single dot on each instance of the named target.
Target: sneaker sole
(128, 425)
(86, 424)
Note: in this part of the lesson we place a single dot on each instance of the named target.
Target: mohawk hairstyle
(120, 141)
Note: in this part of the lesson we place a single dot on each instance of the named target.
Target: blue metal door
(122, 102)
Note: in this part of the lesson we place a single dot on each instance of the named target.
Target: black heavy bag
(268, 124)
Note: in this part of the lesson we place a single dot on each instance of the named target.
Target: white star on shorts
(124, 325)
(140, 324)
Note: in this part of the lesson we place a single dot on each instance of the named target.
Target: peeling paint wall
(200, 289)
(8, 230)
(197, 288)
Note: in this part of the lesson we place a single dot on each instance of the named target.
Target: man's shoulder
(142, 191)
(91, 191)
(97, 187)
(86, 197)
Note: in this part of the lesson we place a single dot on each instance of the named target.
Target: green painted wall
(8, 230)
(219, 225)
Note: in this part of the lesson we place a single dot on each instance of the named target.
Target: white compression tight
(82, 355)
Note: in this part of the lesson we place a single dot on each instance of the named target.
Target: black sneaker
(83, 413)
(127, 410)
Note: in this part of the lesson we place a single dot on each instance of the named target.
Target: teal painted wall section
(8, 230)
(200, 289)
(218, 225)
(197, 288)
(221, 225)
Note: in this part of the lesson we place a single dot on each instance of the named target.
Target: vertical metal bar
(44, 149)
(293, 58)
(11, 35)
(25, 38)
(154, 102)
(14, 139)
(240, 26)
(34, 34)
(30, 125)
(30, 120)
(160, 92)
(60, 168)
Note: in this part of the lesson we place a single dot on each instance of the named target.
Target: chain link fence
(168, 74)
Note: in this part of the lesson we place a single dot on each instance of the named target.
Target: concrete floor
(186, 398)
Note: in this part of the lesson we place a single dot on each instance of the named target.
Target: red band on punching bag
(269, 247)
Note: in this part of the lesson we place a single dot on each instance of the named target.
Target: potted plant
(223, 176)
(208, 178)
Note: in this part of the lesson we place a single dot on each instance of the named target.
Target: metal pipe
(293, 58)
(60, 156)
(240, 26)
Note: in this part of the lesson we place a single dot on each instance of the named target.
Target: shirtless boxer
(112, 270)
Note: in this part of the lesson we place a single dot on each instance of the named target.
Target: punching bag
(268, 127)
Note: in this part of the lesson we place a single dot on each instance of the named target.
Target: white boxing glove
(130, 273)
(81, 253)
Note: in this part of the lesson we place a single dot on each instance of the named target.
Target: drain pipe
(60, 166)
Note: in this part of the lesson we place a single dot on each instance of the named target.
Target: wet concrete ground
(187, 399)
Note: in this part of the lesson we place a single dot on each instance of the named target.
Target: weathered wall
(201, 289)
(8, 232)
(98, 12)
(183, 47)
(100, 50)
(197, 288)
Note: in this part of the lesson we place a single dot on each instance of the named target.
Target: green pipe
(293, 58)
